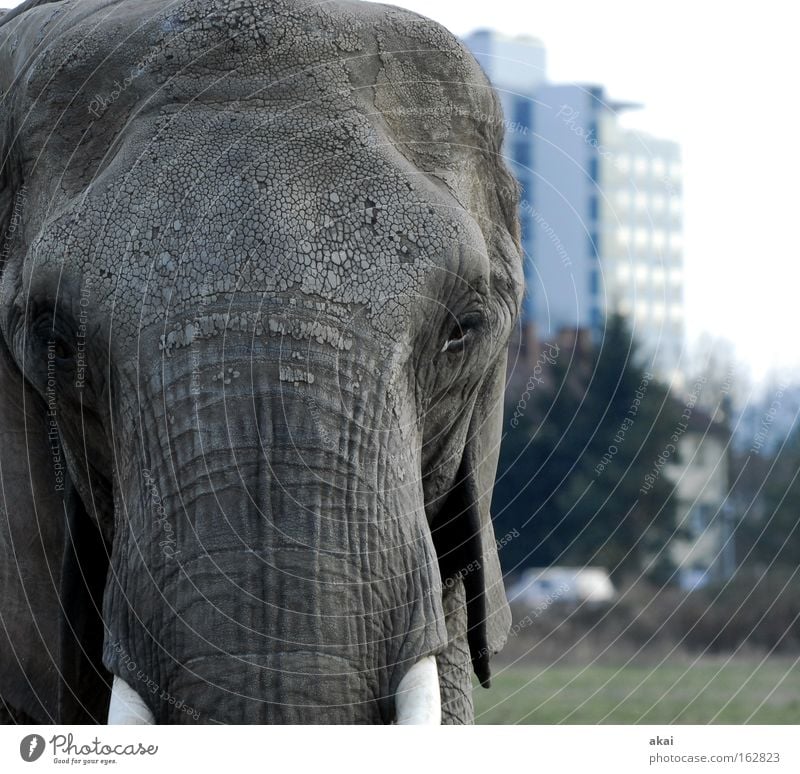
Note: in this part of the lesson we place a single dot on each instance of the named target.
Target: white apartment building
(601, 206)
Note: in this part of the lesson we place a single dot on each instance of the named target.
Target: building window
(594, 245)
(699, 518)
(594, 282)
(522, 116)
(524, 229)
(594, 169)
(521, 153)
(594, 207)
(596, 94)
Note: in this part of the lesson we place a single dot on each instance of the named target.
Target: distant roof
(701, 421)
(522, 38)
(599, 92)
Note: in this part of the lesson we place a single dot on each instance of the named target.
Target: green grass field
(706, 692)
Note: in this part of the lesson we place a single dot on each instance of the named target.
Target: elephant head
(259, 270)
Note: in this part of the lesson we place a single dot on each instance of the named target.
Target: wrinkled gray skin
(263, 285)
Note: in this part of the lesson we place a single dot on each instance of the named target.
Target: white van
(544, 586)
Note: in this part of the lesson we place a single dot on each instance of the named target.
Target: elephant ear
(52, 570)
(31, 554)
(463, 532)
(52, 557)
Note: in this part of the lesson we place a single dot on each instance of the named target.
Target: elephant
(260, 267)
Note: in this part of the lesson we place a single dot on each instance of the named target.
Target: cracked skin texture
(263, 222)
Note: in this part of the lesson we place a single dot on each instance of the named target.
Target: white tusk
(127, 707)
(418, 701)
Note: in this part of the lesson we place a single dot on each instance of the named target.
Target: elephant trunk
(280, 568)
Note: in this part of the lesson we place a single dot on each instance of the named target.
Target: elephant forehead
(204, 203)
(117, 53)
(255, 146)
(94, 68)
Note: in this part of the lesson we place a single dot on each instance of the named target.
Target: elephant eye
(463, 331)
(57, 345)
(60, 348)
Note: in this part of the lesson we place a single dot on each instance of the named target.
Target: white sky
(723, 81)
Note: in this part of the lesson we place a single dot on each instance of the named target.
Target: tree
(571, 477)
(769, 495)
